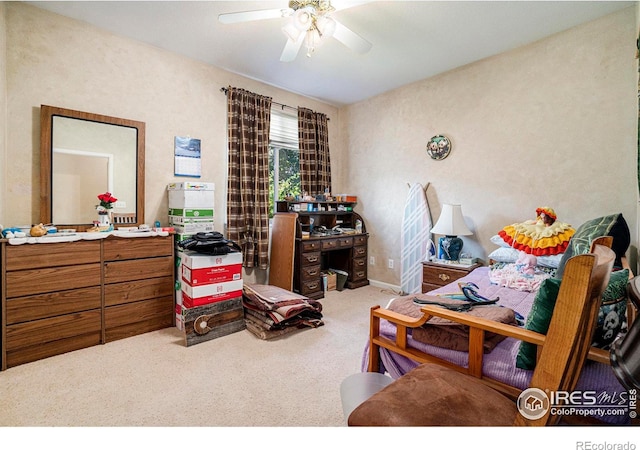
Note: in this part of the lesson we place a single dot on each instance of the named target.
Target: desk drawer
(345, 242)
(330, 244)
(359, 263)
(310, 287)
(310, 272)
(310, 246)
(309, 258)
(359, 274)
(360, 240)
(359, 252)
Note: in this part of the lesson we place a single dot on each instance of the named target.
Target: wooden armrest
(477, 327)
(484, 324)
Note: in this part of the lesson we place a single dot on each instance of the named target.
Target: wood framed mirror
(83, 155)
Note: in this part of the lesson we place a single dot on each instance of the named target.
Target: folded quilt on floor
(271, 311)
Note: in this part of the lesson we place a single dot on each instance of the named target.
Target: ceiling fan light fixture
(303, 18)
(326, 26)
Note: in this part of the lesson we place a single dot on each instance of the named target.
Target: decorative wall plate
(439, 147)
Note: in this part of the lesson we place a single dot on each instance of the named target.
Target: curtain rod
(283, 106)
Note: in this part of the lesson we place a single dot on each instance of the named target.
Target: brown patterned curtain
(315, 164)
(248, 121)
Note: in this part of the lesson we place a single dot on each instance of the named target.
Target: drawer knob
(444, 276)
(312, 259)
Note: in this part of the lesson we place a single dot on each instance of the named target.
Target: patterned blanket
(271, 311)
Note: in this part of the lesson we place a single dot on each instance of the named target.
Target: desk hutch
(328, 235)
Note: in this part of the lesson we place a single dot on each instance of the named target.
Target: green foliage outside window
(287, 161)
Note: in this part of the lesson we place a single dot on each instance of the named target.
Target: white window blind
(284, 128)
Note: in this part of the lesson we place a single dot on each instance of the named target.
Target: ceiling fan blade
(351, 39)
(291, 49)
(339, 5)
(248, 16)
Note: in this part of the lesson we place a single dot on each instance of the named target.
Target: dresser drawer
(50, 279)
(133, 291)
(122, 321)
(23, 309)
(309, 258)
(359, 264)
(119, 271)
(438, 275)
(38, 332)
(119, 249)
(441, 275)
(52, 255)
(310, 272)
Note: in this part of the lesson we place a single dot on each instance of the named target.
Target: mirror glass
(84, 155)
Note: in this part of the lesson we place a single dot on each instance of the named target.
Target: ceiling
(412, 40)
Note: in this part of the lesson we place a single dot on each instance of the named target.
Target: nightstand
(435, 275)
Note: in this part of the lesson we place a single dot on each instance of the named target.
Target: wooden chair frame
(477, 329)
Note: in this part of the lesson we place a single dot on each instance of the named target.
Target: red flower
(107, 200)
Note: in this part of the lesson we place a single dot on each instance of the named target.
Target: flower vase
(104, 219)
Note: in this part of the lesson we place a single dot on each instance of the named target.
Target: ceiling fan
(309, 22)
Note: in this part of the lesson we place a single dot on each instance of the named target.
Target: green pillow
(614, 298)
(580, 242)
(538, 320)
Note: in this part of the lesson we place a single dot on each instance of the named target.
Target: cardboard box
(189, 302)
(210, 293)
(332, 280)
(191, 195)
(204, 323)
(191, 212)
(195, 260)
(182, 220)
(192, 228)
(210, 275)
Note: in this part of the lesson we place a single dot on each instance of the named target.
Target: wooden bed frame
(477, 329)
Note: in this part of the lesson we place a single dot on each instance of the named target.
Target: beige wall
(551, 124)
(3, 111)
(58, 61)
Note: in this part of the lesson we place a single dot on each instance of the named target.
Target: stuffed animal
(526, 263)
(38, 230)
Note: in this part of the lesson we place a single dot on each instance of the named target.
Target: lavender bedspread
(500, 363)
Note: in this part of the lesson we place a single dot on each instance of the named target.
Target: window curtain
(248, 122)
(315, 164)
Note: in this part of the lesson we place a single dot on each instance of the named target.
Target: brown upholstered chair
(432, 394)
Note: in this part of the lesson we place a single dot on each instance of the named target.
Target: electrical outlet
(390, 264)
(372, 260)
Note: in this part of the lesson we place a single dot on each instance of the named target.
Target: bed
(396, 355)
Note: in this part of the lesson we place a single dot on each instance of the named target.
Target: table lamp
(451, 224)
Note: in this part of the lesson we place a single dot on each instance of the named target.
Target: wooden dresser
(435, 275)
(59, 297)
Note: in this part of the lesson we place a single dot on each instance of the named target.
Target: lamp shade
(451, 222)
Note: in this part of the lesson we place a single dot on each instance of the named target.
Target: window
(284, 157)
